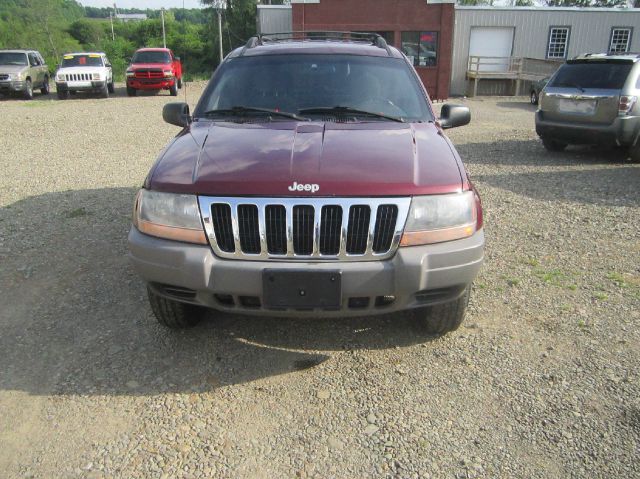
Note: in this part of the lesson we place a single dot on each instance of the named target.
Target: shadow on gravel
(532, 153)
(514, 105)
(75, 318)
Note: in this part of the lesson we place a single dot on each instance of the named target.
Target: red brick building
(423, 31)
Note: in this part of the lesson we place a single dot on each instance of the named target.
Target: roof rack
(296, 36)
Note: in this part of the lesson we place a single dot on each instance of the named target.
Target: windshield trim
(430, 116)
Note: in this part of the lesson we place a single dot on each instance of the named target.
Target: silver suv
(22, 71)
(592, 99)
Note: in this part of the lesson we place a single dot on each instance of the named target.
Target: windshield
(609, 75)
(81, 61)
(151, 57)
(295, 83)
(9, 58)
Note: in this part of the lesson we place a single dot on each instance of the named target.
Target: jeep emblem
(312, 187)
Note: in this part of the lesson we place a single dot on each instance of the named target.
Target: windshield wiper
(243, 110)
(347, 110)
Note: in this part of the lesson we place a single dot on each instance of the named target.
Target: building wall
(388, 15)
(590, 32)
(274, 18)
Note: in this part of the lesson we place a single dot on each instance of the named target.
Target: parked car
(154, 69)
(22, 71)
(592, 99)
(536, 89)
(313, 179)
(87, 71)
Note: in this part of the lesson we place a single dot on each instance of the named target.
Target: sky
(142, 4)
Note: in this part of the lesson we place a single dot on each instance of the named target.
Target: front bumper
(623, 131)
(150, 83)
(416, 276)
(81, 86)
(11, 86)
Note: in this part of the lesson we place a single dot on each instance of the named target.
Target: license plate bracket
(301, 289)
(577, 107)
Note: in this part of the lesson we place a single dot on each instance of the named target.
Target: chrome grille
(352, 229)
(4, 77)
(144, 73)
(78, 76)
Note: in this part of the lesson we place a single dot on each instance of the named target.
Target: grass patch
(77, 213)
(555, 276)
(617, 278)
(600, 296)
(531, 262)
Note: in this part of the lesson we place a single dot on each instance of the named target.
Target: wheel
(112, 87)
(45, 86)
(131, 91)
(104, 93)
(63, 94)
(534, 98)
(173, 89)
(179, 82)
(443, 318)
(28, 92)
(634, 153)
(553, 145)
(174, 314)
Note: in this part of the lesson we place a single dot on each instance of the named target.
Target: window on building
(421, 48)
(620, 40)
(558, 42)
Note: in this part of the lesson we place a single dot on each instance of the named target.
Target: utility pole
(164, 36)
(113, 35)
(220, 33)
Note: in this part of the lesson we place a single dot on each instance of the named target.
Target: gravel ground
(541, 382)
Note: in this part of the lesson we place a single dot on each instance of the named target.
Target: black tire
(111, 87)
(173, 89)
(443, 318)
(104, 93)
(63, 94)
(634, 153)
(131, 91)
(45, 86)
(533, 98)
(28, 92)
(173, 314)
(553, 145)
(179, 82)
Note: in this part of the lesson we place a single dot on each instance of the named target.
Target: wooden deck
(517, 69)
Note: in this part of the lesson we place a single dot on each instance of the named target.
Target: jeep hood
(343, 159)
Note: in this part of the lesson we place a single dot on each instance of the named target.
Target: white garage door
(492, 42)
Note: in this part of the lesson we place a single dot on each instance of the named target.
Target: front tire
(443, 318)
(45, 86)
(553, 145)
(131, 91)
(173, 89)
(534, 98)
(28, 92)
(63, 94)
(104, 93)
(111, 87)
(173, 314)
(634, 153)
(179, 82)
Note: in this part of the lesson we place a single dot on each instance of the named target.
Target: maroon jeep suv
(312, 179)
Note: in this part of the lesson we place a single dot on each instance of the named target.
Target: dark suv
(592, 99)
(313, 179)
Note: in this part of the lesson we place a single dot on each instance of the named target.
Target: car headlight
(60, 77)
(16, 76)
(168, 73)
(131, 73)
(438, 218)
(169, 215)
(96, 76)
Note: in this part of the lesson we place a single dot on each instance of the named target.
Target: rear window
(609, 76)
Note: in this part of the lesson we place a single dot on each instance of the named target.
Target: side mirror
(177, 114)
(452, 116)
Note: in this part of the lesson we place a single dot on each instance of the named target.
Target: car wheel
(112, 87)
(104, 93)
(173, 89)
(131, 91)
(634, 153)
(173, 314)
(443, 318)
(45, 86)
(28, 92)
(553, 145)
(63, 94)
(534, 98)
(179, 82)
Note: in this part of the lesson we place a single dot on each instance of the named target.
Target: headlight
(131, 73)
(168, 73)
(168, 215)
(16, 76)
(96, 76)
(438, 218)
(60, 77)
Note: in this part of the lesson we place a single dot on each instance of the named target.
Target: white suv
(84, 72)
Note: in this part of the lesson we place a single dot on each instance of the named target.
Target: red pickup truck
(154, 69)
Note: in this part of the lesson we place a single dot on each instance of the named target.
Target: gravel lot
(541, 382)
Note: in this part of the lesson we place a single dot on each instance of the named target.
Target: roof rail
(370, 38)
